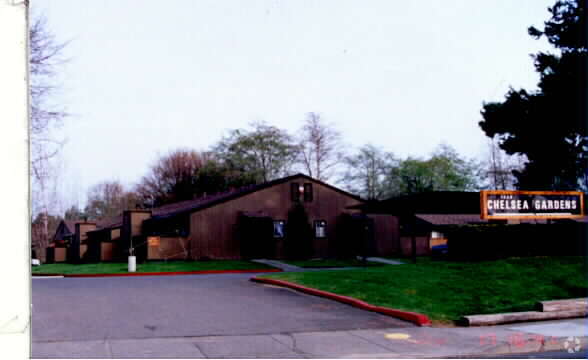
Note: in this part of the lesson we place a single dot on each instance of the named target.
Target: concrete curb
(168, 273)
(416, 318)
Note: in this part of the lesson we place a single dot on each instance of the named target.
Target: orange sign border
(484, 211)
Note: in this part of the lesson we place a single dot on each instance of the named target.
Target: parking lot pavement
(227, 316)
(86, 309)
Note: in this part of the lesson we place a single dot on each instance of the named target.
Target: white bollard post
(132, 264)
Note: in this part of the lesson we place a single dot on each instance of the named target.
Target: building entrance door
(256, 236)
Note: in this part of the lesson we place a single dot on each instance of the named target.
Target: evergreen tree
(548, 125)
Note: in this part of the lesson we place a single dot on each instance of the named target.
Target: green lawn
(153, 266)
(330, 263)
(445, 291)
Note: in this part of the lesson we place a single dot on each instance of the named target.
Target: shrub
(494, 241)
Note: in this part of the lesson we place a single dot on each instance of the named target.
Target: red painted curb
(202, 272)
(416, 318)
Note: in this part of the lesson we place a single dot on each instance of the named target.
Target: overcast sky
(146, 77)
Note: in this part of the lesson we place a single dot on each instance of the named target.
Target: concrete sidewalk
(293, 268)
(385, 261)
(279, 265)
(409, 342)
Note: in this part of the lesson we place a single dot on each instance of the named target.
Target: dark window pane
(295, 191)
(308, 192)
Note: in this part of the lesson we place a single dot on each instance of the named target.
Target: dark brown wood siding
(386, 234)
(422, 245)
(213, 231)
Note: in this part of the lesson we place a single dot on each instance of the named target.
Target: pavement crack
(200, 349)
(108, 348)
(294, 346)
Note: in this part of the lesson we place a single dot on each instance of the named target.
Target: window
(279, 229)
(295, 190)
(308, 192)
(153, 241)
(437, 235)
(320, 229)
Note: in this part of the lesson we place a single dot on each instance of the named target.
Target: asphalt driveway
(177, 306)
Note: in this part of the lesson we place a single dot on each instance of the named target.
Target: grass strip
(151, 266)
(445, 290)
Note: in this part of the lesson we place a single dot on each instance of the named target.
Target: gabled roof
(70, 225)
(189, 206)
(69, 228)
(112, 222)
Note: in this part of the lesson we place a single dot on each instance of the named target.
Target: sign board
(504, 204)
(153, 241)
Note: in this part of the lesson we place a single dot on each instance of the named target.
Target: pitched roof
(195, 204)
(110, 222)
(201, 203)
(211, 200)
(70, 225)
(465, 219)
(451, 219)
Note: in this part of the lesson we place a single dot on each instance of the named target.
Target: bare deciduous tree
(40, 225)
(46, 201)
(45, 55)
(320, 148)
(185, 174)
(172, 177)
(498, 172)
(367, 171)
(108, 198)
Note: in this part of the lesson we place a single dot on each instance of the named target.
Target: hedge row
(487, 242)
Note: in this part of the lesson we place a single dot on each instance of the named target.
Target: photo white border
(15, 268)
